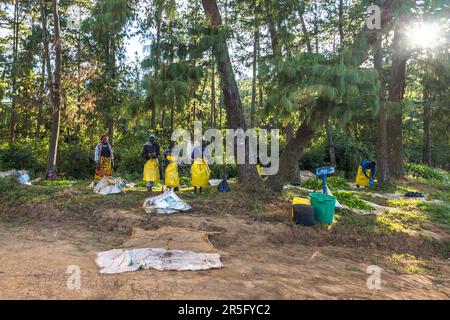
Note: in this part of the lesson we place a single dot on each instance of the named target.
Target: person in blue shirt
(369, 165)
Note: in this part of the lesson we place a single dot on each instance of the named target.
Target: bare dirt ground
(262, 260)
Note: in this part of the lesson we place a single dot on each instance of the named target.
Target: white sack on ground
(109, 185)
(165, 203)
(123, 260)
(21, 176)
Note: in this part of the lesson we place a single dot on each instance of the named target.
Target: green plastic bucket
(323, 205)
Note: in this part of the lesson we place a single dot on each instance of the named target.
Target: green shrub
(422, 171)
(19, 156)
(76, 161)
(349, 154)
(185, 181)
(351, 200)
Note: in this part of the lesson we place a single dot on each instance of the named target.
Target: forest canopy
(339, 91)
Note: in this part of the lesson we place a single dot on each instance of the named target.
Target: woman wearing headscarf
(104, 159)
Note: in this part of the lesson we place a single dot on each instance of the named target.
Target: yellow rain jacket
(151, 171)
(361, 179)
(172, 180)
(200, 173)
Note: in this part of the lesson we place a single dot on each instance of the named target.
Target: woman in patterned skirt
(104, 159)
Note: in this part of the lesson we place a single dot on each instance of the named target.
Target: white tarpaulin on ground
(165, 203)
(109, 185)
(21, 176)
(126, 260)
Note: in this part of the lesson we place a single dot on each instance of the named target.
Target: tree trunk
(301, 11)
(254, 75)
(111, 130)
(79, 108)
(157, 45)
(341, 24)
(163, 116)
(316, 28)
(272, 28)
(290, 156)
(40, 104)
(56, 110)
(213, 93)
(47, 51)
(382, 159)
(357, 53)
(172, 116)
(331, 146)
(426, 129)
(153, 108)
(235, 114)
(397, 86)
(14, 68)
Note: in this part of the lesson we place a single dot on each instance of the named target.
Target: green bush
(349, 154)
(76, 161)
(19, 156)
(422, 171)
(185, 181)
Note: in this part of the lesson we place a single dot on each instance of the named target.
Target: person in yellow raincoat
(365, 176)
(200, 171)
(151, 152)
(171, 177)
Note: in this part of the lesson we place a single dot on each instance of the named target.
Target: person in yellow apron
(365, 176)
(151, 152)
(200, 171)
(171, 178)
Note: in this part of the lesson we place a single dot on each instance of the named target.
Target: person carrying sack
(151, 152)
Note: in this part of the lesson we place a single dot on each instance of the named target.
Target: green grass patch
(352, 200)
(13, 192)
(407, 263)
(436, 212)
(56, 183)
(422, 171)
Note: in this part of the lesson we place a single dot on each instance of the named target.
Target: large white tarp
(126, 260)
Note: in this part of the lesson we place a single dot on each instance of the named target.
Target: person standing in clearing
(200, 171)
(151, 152)
(171, 178)
(104, 159)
